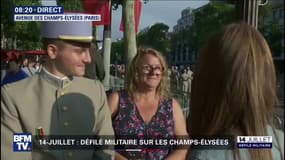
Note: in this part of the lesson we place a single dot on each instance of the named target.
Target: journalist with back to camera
(58, 99)
(240, 99)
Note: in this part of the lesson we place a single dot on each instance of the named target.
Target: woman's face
(149, 71)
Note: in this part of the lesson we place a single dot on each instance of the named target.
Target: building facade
(186, 20)
(181, 54)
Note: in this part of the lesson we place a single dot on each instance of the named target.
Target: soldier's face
(72, 58)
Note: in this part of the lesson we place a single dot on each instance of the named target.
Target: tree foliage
(273, 34)
(208, 20)
(157, 37)
(26, 34)
(211, 17)
(7, 17)
(271, 29)
(71, 5)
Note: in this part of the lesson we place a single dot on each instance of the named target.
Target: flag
(101, 7)
(137, 13)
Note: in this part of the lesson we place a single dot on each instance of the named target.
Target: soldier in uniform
(184, 78)
(95, 70)
(57, 100)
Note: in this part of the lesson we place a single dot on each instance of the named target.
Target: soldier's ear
(52, 51)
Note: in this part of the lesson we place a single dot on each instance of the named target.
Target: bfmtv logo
(22, 142)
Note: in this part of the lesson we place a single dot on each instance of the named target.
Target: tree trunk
(3, 45)
(129, 30)
(106, 55)
(15, 42)
(107, 52)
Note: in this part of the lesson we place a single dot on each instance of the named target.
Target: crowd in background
(17, 69)
(179, 78)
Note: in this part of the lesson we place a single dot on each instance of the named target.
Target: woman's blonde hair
(131, 82)
(234, 87)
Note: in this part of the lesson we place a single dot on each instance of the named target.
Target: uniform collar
(55, 80)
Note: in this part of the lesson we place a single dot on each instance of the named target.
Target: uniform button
(64, 108)
(65, 124)
(69, 154)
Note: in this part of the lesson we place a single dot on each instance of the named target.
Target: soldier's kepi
(71, 31)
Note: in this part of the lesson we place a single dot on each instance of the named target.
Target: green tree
(24, 34)
(28, 35)
(130, 48)
(273, 33)
(157, 37)
(211, 17)
(271, 29)
(7, 23)
(71, 5)
(208, 19)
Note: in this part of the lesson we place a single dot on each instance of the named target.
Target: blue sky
(165, 11)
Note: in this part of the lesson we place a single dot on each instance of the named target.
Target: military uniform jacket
(74, 106)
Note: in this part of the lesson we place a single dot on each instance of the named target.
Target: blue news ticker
(38, 10)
